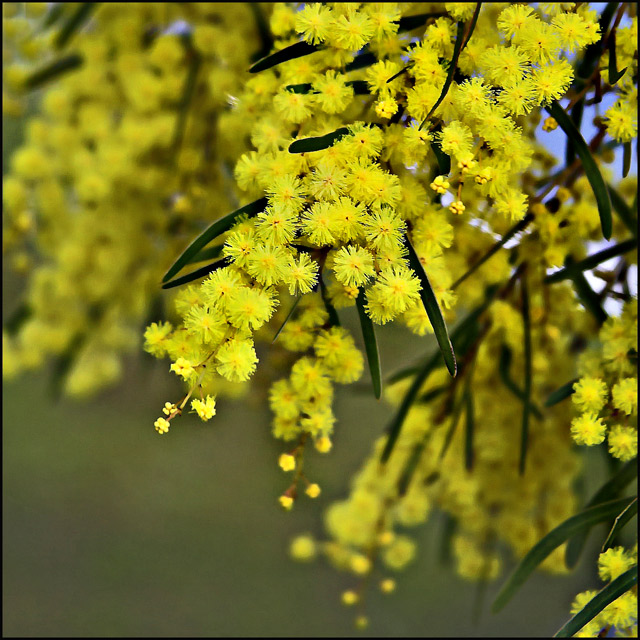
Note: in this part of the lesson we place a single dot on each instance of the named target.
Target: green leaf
(362, 60)
(428, 396)
(317, 143)
(266, 40)
(452, 69)
(444, 161)
(433, 310)
(53, 70)
(55, 13)
(74, 23)
(528, 373)
(360, 87)
(296, 50)
(397, 75)
(591, 169)
(606, 596)
(213, 231)
(619, 524)
(409, 23)
(371, 345)
(623, 210)
(188, 91)
(504, 368)
(334, 319)
(609, 490)
(293, 308)
(455, 419)
(523, 224)
(553, 540)
(470, 428)
(17, 319)
(614, 74)
(410, 468)
(593, 260)
(560, 394)
(398, 420)
(209, 253)
(303, 88)
(626, 159)
(198, 274)
(588, 296)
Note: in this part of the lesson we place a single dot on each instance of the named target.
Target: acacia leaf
(433, 310)
(614, 74)
(561, 533)
(317, 143)
(370, 344)
(74, 23)
(470, 429)
(528, 373)
(213, 231)
(604, 597)
(593, 260)
(608, 491)
(619, 523)
(53, 70)
(561, 393)
(624, 212)
(589, 165)
(293, 308)
(198, 274)
(295, 50)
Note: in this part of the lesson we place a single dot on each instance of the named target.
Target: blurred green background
(112, 530)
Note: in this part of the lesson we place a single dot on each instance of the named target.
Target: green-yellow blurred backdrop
(112, 530)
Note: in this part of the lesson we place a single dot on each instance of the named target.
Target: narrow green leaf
(528, 373)
(17, 319)
(614, 74)
(53, 70)
(409, 23)
(62, 365)
(334, 319)
(317, 143)
(452, 69)
(75, 22)
(304, 88)
(266, 40)
(188, 91)
(398, 420)
(55, 13)
(624, 212)
(606, 596)
(593, 260)
(619, 524)
(428, 396)
(608, 491)
(282, 326)
(453, 425)
(504, 368)
(469, 431)
(213, 231)
(410, 468)
(362, 60)
(626, 159)
(407, 372)
(444, 161)
(198, 274)
(588, 296)
(591, 169)
(523, 224)
(433, 310)
(360, 87)
(371, 345)
(397, 75)
(560, 394)
(296, 50)
(571, 526)
(209, 253)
